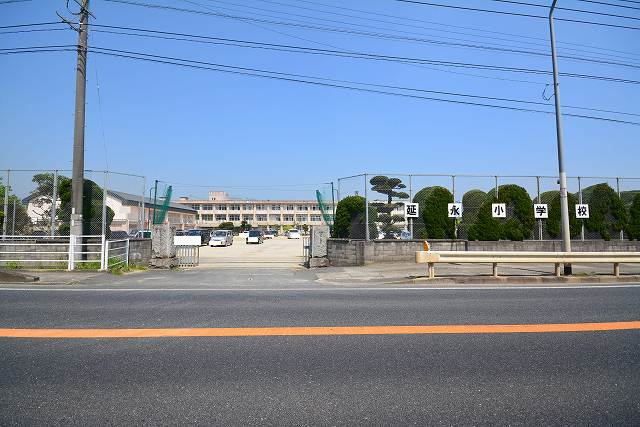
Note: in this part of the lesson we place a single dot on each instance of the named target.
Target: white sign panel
(582, 211)
(499, 210)
(187, 240)
(411, 210)
(540, 211)
(455, 210)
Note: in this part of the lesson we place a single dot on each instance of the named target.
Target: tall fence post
(580, 201)
(103, 228)
(126, 257)
(144, 190)
(496, 177)
(339, 183)
(13, 218)
(539, 201)
(366, 210)
(411, 200)
(618, 190)
(6, 204)
(54, 202)
(453, 193)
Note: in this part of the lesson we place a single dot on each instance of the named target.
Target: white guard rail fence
(116, 254)
(188, 255)
(92, 252)
(555, 258)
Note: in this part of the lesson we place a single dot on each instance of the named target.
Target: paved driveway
(273, 253)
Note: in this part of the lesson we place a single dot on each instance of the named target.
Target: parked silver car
(221, 238)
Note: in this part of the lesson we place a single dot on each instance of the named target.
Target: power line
(525, 15)
(610, 4)
(404, 18)
(377, 35)
(297, 6)
(388, 29)
(521, 3)
(336, 53)
(30, 25)
(309, 80)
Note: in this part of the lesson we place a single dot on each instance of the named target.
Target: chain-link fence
(484, 207)
(38, 203)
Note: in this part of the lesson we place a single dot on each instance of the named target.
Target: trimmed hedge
(607, 214)
(554, 222)
(517, 226)
(633, 228)
(434, 214)
(350, 219)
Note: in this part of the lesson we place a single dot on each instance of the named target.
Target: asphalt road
(519, 378)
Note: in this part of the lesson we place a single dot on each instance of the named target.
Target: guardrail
(555, 258)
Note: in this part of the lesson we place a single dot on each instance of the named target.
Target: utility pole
(564, 202)
(77, 182)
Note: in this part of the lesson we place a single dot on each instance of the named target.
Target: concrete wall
(139, 251)
(346, 252)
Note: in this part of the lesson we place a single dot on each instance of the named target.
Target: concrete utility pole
(564, 202)
(77, 182)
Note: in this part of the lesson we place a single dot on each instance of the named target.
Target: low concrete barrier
(351, 252)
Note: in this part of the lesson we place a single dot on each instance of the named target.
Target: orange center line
(317, 330)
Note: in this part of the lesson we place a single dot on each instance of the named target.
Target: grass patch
(13, 265)
(121, 269)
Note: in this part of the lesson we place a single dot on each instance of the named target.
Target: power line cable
(524, 15)
(393, 30)
(521, 3)
(309, 80)
(610, 4)
(378, 35)
(405, 24)
(337, 53)
(412, 19)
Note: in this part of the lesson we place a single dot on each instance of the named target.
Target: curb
(15, 277)
(515, 280)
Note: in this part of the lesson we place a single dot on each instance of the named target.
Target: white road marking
(327, 289)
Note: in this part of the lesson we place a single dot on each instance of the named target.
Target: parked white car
(293, 234)
(244, 234)
(221, 238)
(255, 236)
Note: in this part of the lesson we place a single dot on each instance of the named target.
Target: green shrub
(517, 226)
(633, 228)
(471, 203)
(437, 224)
(350, 218)
(607, 213)
(554, 222)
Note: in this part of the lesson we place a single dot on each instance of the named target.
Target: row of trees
(40, 198)
(609, 213)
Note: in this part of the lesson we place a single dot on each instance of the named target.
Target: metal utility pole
(77, 181)
(564, 202)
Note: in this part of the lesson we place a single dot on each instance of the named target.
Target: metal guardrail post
(126, 257)
(103, 259)
(72, 243)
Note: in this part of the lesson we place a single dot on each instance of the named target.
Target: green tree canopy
(350, 218)
(389, 187)
(554, 222)
(437, 224)
(607, 214)
(91, 208)
(519, 222)
(633, 228)
(226, 226)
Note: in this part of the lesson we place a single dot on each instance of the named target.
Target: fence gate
(188, 256)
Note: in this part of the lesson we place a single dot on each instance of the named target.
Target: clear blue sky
(209, 128)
